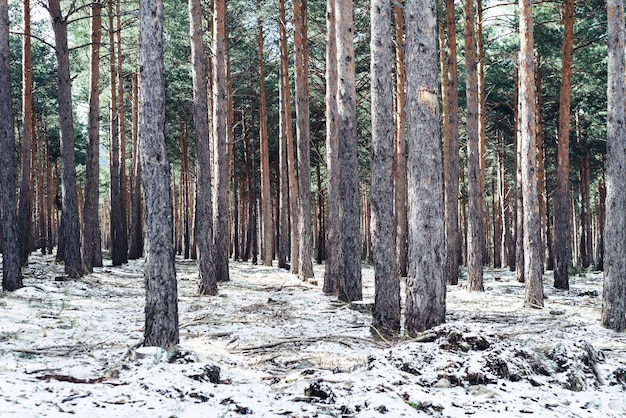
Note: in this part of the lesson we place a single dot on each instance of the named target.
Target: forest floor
(271, 346)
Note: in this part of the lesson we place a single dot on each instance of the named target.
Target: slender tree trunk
(451, 153)
(11, 266)
(586, 250)
(540, 163)
(207, 280)
(400, 192)
(220, 138)
(71, 230)
(91, 218)
(533, 263)
(519, 199)
(333, 239)
(601, 210)
(135, 246)
(562, 225)
(267, 224)
(321, 229)
(475, 216)
(122, 131)
(613, 301)
(41, 191)
(161, 310)
(425, 283)
(26, 177)
(387, 284)
(305, 265)
(184, 191)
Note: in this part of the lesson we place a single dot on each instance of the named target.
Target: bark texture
(562, 228)
(425, 284)
(11, 267)
(387, 291)
(301, 62)
(613, 300)
(161, 309)
(533, 257)
(70, 221)
(207, 280)
(350, 266)
(135, 233)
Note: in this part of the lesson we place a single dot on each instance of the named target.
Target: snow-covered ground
(272, 346)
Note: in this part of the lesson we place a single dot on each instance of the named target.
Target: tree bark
(71, 228)
(135, 242)
(350, 265)
(220, 138)
(533, 258)
(11, 266)
(161, 312)
(475, 235)
(91, 227)
(387, 283)
(562, 224)
(301, 62)
(425, 283)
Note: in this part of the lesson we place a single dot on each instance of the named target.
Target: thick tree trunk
(221, 236)
(91, 228)
(562, 224)
(301, 62)
(451, 153)
(387, 283)
(533, 258)
(267, 224)
(207, 280)
(350, 265)
(333, 255)
(11, 266)
(135, 244)
(71, 228)
(475, 234)
(400, 192)
(540, 162)
(26, 177)
(425, 283)
(161, 310)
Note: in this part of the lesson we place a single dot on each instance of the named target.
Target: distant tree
(135, 233)
(614, 291)
(11, 267)
(161, 312)
(70, 219)
(387, 283)
(425, 283)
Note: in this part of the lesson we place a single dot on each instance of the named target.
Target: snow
(270, 345)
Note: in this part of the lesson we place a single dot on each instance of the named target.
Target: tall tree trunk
(613, 301)
(11, 266)
(586, 250)
(122, 130)
(267, 224)
(26, 177)
(387, 284)
(425, 283)
(71, 228)
(321, 229)
(540, 163)
(562, 225)
(350, 264)
(91, 228)
(184, 191)
(533, 258)
(601, 210)
(400, 192)
(451, 153)
(220, 185)
(161, 310)
(519, 207)
(476, 238)
(286, 134)
(135, 242)
(301, 62)
(207, 280)
(333, 239)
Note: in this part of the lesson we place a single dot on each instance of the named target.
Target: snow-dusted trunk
(161, 311)
(387, 283)
(425, 284)
(613, 300)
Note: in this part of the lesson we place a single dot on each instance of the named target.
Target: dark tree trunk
(135, 242)
(11, 267)
(91, 219)
(425, 283)
(71, 228)
(161, 310)
(387, 283)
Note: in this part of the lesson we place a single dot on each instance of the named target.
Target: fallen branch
(334, 339)
(70, 379)
(76, 396)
